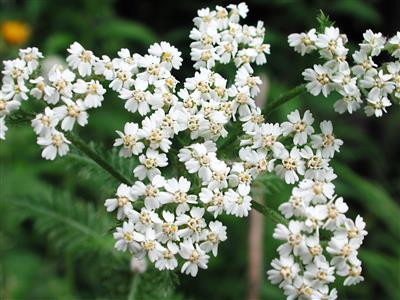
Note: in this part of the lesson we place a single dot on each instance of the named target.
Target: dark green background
(55, 236)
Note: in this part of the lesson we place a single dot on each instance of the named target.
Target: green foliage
(324, 21)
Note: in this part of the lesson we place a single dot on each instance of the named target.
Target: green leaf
(324, 21)
(371, 196)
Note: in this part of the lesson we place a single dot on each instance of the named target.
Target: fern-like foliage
(69, 225)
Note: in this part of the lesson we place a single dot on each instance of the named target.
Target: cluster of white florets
(16, 77)
(320, 242)
(186, 176)
(67, 94)
(364, 81)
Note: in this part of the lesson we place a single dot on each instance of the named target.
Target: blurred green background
(55, 239)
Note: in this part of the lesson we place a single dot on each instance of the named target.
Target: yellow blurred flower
(15, 32)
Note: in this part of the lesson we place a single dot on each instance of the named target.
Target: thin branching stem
(284, 98)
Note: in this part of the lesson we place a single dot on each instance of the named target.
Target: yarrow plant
(185, 176)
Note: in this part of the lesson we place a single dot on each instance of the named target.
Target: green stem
(84, 148)
(269, 212)
(282, 99)
(134, 286)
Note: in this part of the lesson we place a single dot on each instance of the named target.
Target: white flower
(354, 274)
(7, 105)
(167, 260)
(373, 42)
(285, 269)
(326, 141)
(146, 219)
(291, 164)
(303, 42)
(330, 43)
(318, 191)
(43, 123)
(378, 82)
(265, 137)
(336, 211)
(243, 78)
(53, 143)
(70, 113)
(262, 49)
(129, 140)
(61, 84)
(156, 136)
(15, 69)
(38, 90)
(319, 80)
(301, 127)
(122, 78)
(348, 102)
(31, 55)
(220, 172)
(150, 192)
(237, 11)
(364, 63)
(15, 90)
(169, 228)
(377, 106)
(170, 56)
(92, 90)
(395, 41)
(151, 246)
(137, 99)
(105, 67)
(122, 202)
(149, 164)
(295, 206)
(293, 237)
(393, 69)
(214, 200)
(343, 251)
(319, 272)
(178, 193)
(200, 162)
(352, 230)
(314, 249)
(237, 204)
(127, 239)
(241, 178)
(316, 164)
(257, 161)
(195, 258)
(299, 289)
(81, 59)
(152, 68)
(213, 236)
(194, 224)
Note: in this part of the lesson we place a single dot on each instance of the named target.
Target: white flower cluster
(186, 176)
(377, 86)
(218, 37)
(164, 212)
(14, 90)
(308, 263)
(67, 93)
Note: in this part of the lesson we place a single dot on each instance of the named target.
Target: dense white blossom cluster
(362, 82)
(186, 176)
(320, 242)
